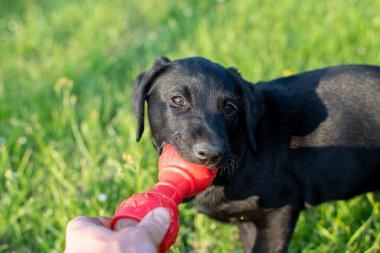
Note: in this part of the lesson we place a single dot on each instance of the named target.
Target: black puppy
(280, 146)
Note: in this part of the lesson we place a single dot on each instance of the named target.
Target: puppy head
(201, 108)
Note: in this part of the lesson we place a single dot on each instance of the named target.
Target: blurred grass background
(66, 126)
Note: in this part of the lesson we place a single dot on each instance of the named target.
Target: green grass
(66, 126)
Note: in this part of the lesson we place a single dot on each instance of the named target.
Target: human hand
(84, 234)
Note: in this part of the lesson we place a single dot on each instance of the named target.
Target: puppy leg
(275, 229)
(247, 232)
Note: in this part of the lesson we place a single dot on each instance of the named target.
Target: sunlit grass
(67, 132)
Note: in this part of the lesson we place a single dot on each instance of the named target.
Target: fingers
(156, 224)
(83, 221)
(95, 233)
(123, 223)
(83, 225)
(101, 221)
(74, 227)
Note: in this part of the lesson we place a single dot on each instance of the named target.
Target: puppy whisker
(229, 166)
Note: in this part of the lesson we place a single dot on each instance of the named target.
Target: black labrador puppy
(280, 146)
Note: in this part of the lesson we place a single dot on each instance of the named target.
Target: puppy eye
(179, 101)
(230, 108)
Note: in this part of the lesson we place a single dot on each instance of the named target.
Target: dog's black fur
(280, 146)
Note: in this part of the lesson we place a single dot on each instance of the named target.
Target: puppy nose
(208, 154)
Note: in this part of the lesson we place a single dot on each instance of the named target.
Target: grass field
(66, 126)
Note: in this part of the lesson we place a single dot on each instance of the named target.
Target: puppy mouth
(211, 164)
(225, 165)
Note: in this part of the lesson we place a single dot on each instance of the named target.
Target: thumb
(156, 223)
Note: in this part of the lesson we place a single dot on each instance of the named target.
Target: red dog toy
(177, 179)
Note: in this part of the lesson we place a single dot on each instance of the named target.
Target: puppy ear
(141, 89)
(253, 106)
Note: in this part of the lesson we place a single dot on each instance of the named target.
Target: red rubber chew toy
(178, 179)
